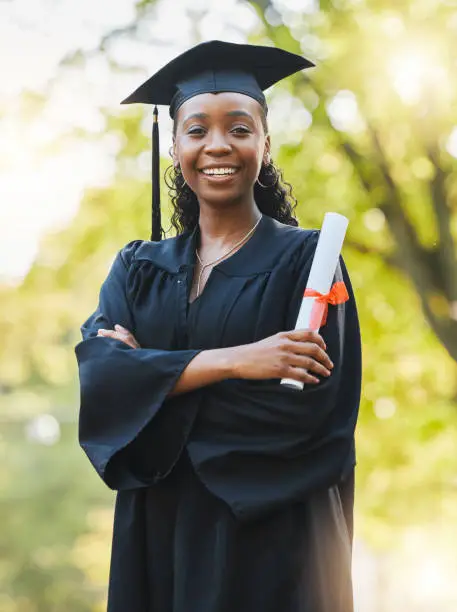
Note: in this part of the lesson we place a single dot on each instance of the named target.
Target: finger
(307, 335)
(109, 333)
(130, 341)
(311, 350)
(126, 334)
(302, 376)
(310, 364)
(106, 332)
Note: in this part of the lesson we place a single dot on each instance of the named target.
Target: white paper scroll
(320, 279)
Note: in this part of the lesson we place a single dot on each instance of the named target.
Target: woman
(234, 492)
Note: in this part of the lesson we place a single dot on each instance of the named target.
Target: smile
(219, 171)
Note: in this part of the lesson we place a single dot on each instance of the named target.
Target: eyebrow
(239, 113)
(196, 116)
(234, 113)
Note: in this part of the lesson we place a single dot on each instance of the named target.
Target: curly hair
(273, 196)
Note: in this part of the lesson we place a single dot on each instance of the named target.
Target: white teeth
(219, 171)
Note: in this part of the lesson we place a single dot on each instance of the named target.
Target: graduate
(234, 492)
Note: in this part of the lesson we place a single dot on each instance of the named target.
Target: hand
(121, 334)
(294, 354)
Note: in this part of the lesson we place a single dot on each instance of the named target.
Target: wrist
(229, 362)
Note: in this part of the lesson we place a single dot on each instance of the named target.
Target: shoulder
(295, 242)
(168, 254)
(128, 252)
(292, 234)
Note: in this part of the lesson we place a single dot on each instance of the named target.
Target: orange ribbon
(337, 295)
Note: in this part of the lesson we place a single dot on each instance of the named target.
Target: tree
(399, 156)
(387, 170)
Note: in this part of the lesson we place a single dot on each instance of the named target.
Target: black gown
(237, 496)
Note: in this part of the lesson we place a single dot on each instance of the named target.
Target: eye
(241, 129)
(196, 130)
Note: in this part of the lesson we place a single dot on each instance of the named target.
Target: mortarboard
(210, 67)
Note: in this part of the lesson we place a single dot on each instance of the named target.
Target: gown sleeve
(275, 443)
(123, 393)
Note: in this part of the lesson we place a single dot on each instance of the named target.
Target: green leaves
(376, 151)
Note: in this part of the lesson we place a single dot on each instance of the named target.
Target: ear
(267, 151)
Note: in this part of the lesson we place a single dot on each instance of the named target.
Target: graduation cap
(210, 67)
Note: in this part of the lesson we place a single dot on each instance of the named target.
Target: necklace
(218, 259)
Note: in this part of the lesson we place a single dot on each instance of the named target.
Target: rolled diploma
(321, 275)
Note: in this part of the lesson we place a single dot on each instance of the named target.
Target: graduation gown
(238, 495)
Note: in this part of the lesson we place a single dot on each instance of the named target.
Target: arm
(207, 368)
(286, 354)
(123, 392)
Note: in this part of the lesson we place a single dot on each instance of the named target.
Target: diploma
(319, 292)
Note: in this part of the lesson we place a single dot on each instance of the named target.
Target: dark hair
(274, 197)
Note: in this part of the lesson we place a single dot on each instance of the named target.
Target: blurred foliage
(372, 64)
(391, 175)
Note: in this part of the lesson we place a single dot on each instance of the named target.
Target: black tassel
(156, 233)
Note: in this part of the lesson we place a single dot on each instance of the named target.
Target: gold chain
(215, 261)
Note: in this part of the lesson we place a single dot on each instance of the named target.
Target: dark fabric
(256, 513)
(188, 553)
(123, 390)
(215, 66)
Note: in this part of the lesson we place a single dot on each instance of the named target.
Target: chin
(221, 196)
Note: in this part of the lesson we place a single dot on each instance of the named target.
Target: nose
(217, 143)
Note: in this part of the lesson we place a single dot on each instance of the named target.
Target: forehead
(219, 103)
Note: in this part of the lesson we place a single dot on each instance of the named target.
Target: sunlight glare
(303, 6)
(432, 583)
(46, 197)
(414, 73)
(44, 429)
(374, 220)
(43, 168)
(344, 112)
(451, 144)
(385, 408)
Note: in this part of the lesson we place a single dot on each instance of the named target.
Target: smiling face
(220, 143)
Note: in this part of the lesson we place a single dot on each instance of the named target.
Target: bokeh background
(371, 133)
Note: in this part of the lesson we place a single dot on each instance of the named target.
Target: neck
(221, 226)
